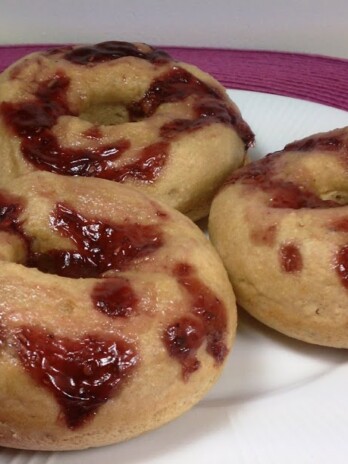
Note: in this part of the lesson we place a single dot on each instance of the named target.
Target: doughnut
(124, 112)
(280, 225)
(116, 313)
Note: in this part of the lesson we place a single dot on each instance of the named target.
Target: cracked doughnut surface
(280, 225)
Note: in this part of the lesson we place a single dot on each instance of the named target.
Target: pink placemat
(309, 77)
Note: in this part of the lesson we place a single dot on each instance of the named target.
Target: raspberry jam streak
(107, 51)
(282, 193)
(290, 258)
(99, 246)
(82, 374)
(206, 322)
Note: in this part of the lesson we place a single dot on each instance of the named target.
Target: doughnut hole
(320, 173)
(101, 106)
(105, 114)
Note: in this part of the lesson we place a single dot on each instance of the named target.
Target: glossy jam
(209, 105)
(175, 85)
(183, 338)
(115, 297)
(82, 374)
(10, 210)
(146, 168)
(99, 246)
(281, 193)
(341, 265)
(207, 321)
(112, 50)
(290, 258)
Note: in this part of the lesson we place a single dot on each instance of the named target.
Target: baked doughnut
(124, 112)
(116, 313)
(280, 225)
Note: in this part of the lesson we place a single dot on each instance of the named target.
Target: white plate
(278, 401)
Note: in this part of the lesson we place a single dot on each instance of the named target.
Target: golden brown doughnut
(124, 112)
(280, 225)
(116, 314)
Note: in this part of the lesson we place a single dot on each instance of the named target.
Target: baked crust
(280, 225)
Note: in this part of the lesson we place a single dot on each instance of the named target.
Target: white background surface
(310, 26)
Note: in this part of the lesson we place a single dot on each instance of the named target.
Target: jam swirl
(115, 297)
(100, 246)
(82, 374)
(112, 50)
(206, 322)
(282, 193)
(290, 258)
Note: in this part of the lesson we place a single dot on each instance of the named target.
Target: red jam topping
(100, 246)
(282, 193)
(290, 258)
(2, 335)
(33, 118)
(10, 210)
(341, 265)
(115, 297)
(339, 225)
(112, 50)
(94, 132)
(147, 167)
(334, 143)
(207, 321)
(183, 338)
(210, 105)
(324, 142)
(83, 374)
(264, 235)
